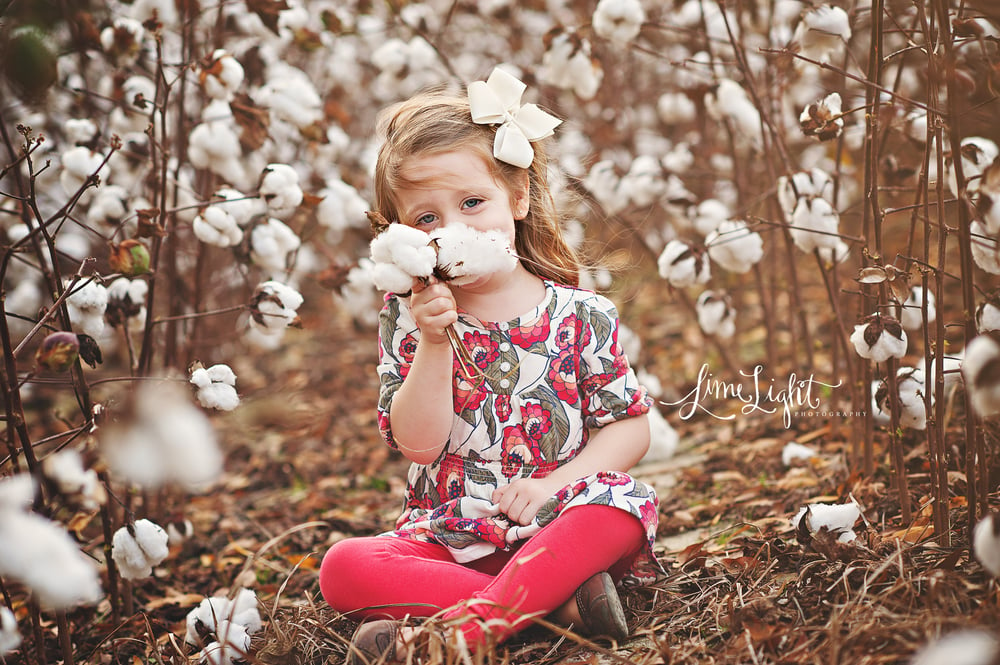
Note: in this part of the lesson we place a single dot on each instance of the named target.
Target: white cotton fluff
(836, 518)
(276, 305)
(279, 187)
(464, 253)
(879, 338)
(217, 226)
(568, 65)
(223, 77)
(803, 184)
(730, 101)
(984, 248)
(708, 215)
(734, 246)
(290, 96)
(831, 256)
(681, 264)
(243, 208)
(678, 159)
(986, 543)
(342, 207)
(215, 144)
(133, 115)
(814, 224)
(232, 646)
(823, 118)
(65, 469)
(127, 298)
(109, 205)
(643, 184)
(216, 387)
(17, 492)
(910, 386)
(663, 439)
(967, 646)
(78, 164)
(359, 295)
(110, 40)
(10, 637)
(977, 154)
(80, 130)
(401, 253)
(136, 554)
(605, 186)
(911, 314)
(982, 354)
(822, 32)
(987, 317)
(218, 615)
(86, 305)
(794, 451)
(168, 440)
(618, 20)
(675, 108)
(41, 555)
(716, 315)
(271, 243)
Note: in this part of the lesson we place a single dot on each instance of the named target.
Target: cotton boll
(342, 208)
(708, 215)
(910, 387)
(401, 253)
(984, 248)
(675, 108)
(65, 469)
(618, 20)
(80, 131)
(803, 184)
(814, 224)
(10, 638)
(212, 615)
(734, 246)
(643, 184)
(716, 314)
(986, 543)
(911, 313)
(977, 154)
(274, 305)
(271, 244)
(794, 451)
(291, 96)
(823, 33)
(605, 186)
(216, 226)
(221, 76)
(133, 115)
(465, 254)
(730, 102)
(279, 187)
(216, 387)
(961, 647)
(232, 647)
(987, 316)
(215, 146)
(831, 256)
(879, 338)
(136, 552)
(127, 302)
(109, 206)
(979, 370)
(41, 555)
(822, 119)
(87, 304)
(358, 295)
(17, 492)
(78, 164)
(663, 439)
(122, 41)
(167, 440)
(836, 518)
(682, 264)
(568, 64)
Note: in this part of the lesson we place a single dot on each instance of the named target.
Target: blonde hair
(438, 121)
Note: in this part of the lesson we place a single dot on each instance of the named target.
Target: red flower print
(502, 407)
(613, 478)
(407, 348)
(536, 420)
(482, 349)
(491, 532)
(518, 450)
(565, 494)
(647, 515)
(468, 394)
(562, 376)
(525, 336)
(566, 333)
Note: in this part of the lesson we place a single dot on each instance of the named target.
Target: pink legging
(394, 577)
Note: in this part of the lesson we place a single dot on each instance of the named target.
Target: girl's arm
(617, 446)
(421, 411)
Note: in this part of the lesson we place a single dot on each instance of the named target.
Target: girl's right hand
(434, 309)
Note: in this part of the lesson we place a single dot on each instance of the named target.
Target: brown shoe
(374, 642)
(601, 609)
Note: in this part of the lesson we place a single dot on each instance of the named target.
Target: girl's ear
(520, 197)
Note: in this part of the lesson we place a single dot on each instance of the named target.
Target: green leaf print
(601, 324)
(552, 441)
(387, 326)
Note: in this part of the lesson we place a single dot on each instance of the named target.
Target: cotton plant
(358, 295)
(78, 164)
(984, 248)
(10, 637)
(663, 439)
(122, 41)
(342, 208)
(222, 627)
(823, 118)
(222, 223)
(167, 440)
(988, 198)
(982, 381)
(127, 303)
(214, 144)
(977, 154)
(794, 452)
(80, 131)
(729, 102)
(837, 519)
(716, 314)
(879, 337)
(109, 206)
(134, 114)
(734, 246)
(216, 387)
(139, 547)
(272, 244)
(618, 20)
(814, 224)
(273, 309)
(568, 64)
(910, 390)
(964, 646)
(290, 96)
(644, 183)
(674, 108)
(87, 304)
(708, 215)
(683, 264)
(986, 542)
(811, 183)
(987, 316)
(66, 471)
(40, 554)
(404, 67)
(822, 33)
(220, 75)
(604, 184)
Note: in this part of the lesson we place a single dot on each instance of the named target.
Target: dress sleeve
(397, 342)
(609, 389)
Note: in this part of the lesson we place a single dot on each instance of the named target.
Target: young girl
(517, 504)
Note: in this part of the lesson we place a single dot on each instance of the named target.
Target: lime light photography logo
(792, 395)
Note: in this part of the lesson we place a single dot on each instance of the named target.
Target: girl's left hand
(523, 498)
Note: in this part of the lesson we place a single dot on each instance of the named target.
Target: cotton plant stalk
(456, 254)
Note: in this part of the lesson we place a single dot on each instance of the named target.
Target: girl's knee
(339, 572)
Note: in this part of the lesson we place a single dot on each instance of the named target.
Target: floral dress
(539, 384)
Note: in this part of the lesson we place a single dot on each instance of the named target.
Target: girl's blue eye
(471, 203)
(424, 220)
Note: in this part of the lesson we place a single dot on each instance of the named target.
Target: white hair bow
(497, 100)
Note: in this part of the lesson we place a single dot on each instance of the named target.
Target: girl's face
(458, 188)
